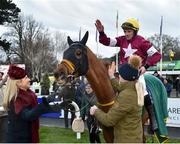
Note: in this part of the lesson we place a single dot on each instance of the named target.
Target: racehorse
(79, 60)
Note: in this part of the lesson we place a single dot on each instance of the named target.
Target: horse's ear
(84, 40)
(69, 40)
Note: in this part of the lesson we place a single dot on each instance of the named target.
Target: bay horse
(79, 60)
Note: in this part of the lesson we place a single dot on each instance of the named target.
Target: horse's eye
(78, 53)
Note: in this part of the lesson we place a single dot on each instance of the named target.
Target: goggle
(127, 25)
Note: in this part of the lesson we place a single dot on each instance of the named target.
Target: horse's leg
(144, 120)
(108, 134)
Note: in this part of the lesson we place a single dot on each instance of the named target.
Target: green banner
(167, 65)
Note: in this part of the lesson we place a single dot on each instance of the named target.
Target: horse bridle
(75, 69)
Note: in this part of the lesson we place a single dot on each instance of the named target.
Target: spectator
(156, 74)
(3, 114)
(22, 107)
(88, 100)
(68, 95)
(168, 87)
(79, 92)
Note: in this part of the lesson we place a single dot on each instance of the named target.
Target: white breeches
(142, 80)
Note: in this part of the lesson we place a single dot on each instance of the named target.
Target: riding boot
(152, 117)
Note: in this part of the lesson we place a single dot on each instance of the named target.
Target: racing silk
(138, 45)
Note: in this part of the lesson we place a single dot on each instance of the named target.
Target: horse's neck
(98, 78)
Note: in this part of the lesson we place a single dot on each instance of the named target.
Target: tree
(45, 84)
(60, 44)
(8, 14)
(168, 43)
(6, 47)
(33, 45)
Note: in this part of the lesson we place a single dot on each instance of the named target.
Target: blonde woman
(22, 107)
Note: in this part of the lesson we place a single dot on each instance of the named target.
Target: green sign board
(166, 65)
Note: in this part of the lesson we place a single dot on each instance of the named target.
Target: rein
(83, 106)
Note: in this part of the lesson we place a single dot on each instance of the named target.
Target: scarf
(23, 100)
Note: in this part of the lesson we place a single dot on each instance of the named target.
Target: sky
(68, 16)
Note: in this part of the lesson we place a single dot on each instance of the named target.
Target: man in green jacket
(125, 114)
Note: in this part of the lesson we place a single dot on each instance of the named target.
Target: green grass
(62, 135)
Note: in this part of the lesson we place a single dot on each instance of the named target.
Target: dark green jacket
(88, 100)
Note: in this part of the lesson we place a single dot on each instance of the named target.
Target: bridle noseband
(69, 65)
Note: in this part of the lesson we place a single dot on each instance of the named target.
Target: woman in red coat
(22, 107)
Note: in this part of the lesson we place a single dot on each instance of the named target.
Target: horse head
(79, 60)
(75, 61)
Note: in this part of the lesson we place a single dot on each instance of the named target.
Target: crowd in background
(81, 92)
(169, 84)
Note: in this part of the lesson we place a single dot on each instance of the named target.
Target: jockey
(131, 43)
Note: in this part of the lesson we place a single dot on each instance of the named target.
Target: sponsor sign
(173, 112)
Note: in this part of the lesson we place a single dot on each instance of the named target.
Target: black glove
(42, 108)
(34, 113)
(51, 108)
(45, 101)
